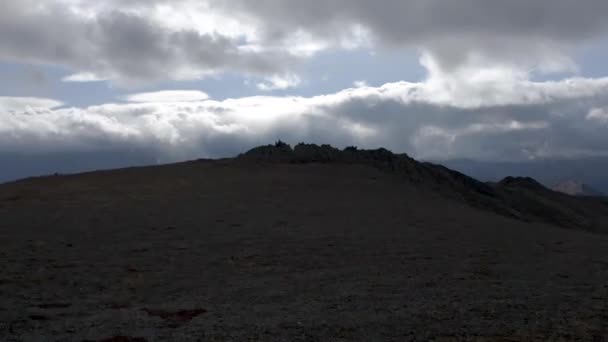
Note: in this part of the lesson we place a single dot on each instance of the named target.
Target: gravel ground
(240, 251)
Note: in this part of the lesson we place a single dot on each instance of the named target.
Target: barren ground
(244, 251)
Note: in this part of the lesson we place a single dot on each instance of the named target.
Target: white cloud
(360, 84)
(473, 86)
(598, 114)
(83, 77)
(133, 42)
(21, 104)
(168, 96)
(279, 82)
(497, 114)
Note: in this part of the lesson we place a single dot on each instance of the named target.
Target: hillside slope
(519, 197)
(246, 249)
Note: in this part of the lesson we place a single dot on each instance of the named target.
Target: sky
(99, 84)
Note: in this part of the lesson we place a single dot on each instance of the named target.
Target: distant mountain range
(575, 188)
(590, 172)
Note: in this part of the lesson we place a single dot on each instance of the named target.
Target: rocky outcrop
(279, 152)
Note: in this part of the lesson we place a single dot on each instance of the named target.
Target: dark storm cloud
(452, 30)
(401, 20)
(124, 46)
(119, 39)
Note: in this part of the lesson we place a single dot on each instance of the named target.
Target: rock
(279, 152)
(311, 153)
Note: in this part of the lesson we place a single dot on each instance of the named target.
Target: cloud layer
(126, 46)
(457, 33)
(135, 42)
(9, 104)
(494, 116)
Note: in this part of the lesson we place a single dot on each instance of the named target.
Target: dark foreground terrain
(367, 247)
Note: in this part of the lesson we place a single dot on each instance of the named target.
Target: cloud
(520, 32)
(23, 104)
(136, 42)
(129, 47)
(360, 84)
(599, 115)
(83, 77)
(496, 115)
(478, 86)
(277, 82)
(168, 96)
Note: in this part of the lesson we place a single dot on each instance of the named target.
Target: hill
(520, 197)
(308, 243)
(588, 170)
